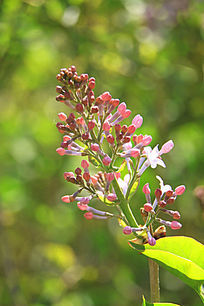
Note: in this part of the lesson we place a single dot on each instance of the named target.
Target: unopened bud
(158, 193)
(84, 164)
(176, 225)
(106, 160)
(111, 197)
(91, 125)
(127, 230)
(88, 215)
(66, 199)
(60, 151)
(146, 189)
(180, 190)
(148, 207)
(79, 108)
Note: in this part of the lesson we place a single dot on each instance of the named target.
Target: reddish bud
(84, 164)
(162, 204)
(169, 193)
(66, 199)
(126, 139)
(94, 109)
(158, 193)
(170, 200)
(109, 176)
(146, 189)
(131, 129)
(88, 215)
(146, 140)
(180, 190)
(117, 128)
(60, 151)
(176, 215)
(91, 125)
(78, 171)
(106, 96)
(86, 176)
(106, 160)
(127, 230)
(91, 84)
(95, 147)
(82, 206)
(111, 197)
(148, 207)
(85, 136)
(79, 108)
(66, 138)
(106, 126)
(110, 139)
(175, 225)
(68, 175)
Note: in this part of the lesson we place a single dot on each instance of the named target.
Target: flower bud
(88, 215)
(146, 140)
(137, 121)
(146, 189)
(82, 206)
(62, 116)
(111, 197)
(91, 125)
(180, 190)
(151, 239)
(127, 230)
(170, 200)
(109, 176)
(110, 139)
(79, 108)
(106, 96)
(85, 136)
(148, 207)
(95, 147)
(167, 147)
(131, 129)
(66, 199)
(66, 138)
(162, 204)
(84, 164)
(94, 109)
(78, 171)
(176, 215)
(68, 175)
(106, 126)
(86, 176)
(176, 225)
(158, 193)
(106, 160)
(60, 151)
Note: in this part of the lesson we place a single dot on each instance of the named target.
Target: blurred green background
(147, 53)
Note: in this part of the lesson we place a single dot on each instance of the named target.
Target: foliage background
(147, 53)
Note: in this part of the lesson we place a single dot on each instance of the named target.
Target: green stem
(154, 281)
(124, 205)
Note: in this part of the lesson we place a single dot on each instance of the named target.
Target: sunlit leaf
(182, 256)
(145, 303)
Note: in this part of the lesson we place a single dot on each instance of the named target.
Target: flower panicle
(95, 129)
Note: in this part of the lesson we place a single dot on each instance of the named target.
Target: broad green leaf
(145, 303)
(182, 256)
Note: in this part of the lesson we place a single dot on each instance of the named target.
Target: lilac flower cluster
(94, 129)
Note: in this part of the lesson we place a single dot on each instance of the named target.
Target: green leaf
(145, 303)
(182, 256)
(93, 161)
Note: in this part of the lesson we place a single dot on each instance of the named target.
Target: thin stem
(154, 281)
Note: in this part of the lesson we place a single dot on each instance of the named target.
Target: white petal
(160, 162)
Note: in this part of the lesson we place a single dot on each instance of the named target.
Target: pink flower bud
(84, 164)
(168, 146)
(68, 174)
(66, 138)
(95, 147)
(137, 121)
(111, 197)
(65, 199)
(146, 140)
(106, 96)
(88, 215)
(110, 139)
(176, 215)
(91, 125)
(127, 113)
(127, 230)
(82, 206)
(180, 190)
(86, 176)
(85, 200)
(106, 160)
(109, 177)
(158, 193)
(148, 207)
(146, 189)
(79, 108)
(134, 152)
(62, 116)
(60, 151)
(122, 108)
(152, 241)
(91, 84)
(106, 126)
(176, 225)
(131, 129)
